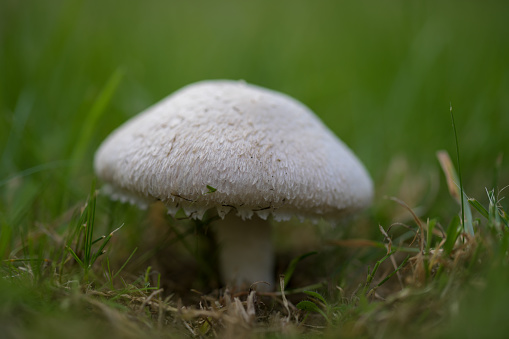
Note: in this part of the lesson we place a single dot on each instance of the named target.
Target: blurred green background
(380, 74)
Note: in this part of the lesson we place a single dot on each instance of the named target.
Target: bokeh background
(381, 75)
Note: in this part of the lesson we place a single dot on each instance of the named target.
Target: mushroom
(249, 153)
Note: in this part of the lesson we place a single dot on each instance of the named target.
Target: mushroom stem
(246, 251)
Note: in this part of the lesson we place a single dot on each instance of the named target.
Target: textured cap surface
(263, 152)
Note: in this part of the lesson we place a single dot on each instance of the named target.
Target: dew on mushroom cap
(263, 152)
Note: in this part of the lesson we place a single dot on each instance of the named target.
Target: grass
(429, 258)
(429, 281)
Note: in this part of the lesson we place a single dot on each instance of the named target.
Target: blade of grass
(456, 191)
(371, 274)
(431, 226)
(494, 216)
(300, 289)
(293, 264)
(181, 236)
(316, 296)
(75, 256)
(310, 306)
(125, 264)
(32, 170)
(22, 111)
(459, 165)
(107, 239)
(403, 263)
(89, 230)
(480, 208)
(453, 232)
(465, 209)
(370, 243)
(416, 219)
(90, 121)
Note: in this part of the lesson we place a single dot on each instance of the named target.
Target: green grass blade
(32, 170)
(98, 239)
(403, 263)
(90, 121)
(504, 217)
(468, 220)
(452, 234)
(89, 231)
(125, 264)
(466, 213)
(75, 256)
(107, 239)
(22, 111)
(371, 274)
(480, 208)
(456, 190)
(316, 296)
(459, 164)
(293, 264)
(429, 235)
(310, 306)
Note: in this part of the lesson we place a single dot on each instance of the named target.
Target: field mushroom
(249, 153)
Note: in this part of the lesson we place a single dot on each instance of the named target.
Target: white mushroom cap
(263, 152)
